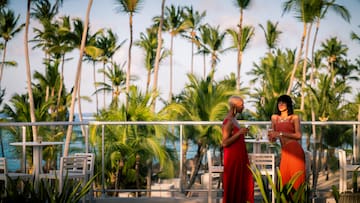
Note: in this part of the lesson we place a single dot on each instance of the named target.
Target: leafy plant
(283, 193)
(25, 191)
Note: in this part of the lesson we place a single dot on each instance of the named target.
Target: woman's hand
(243, 131)
(272, 135)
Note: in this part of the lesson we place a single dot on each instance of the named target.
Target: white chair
(265, 163)
(344, 169)
(72, 167)
(90, 161)
(213, 169)
(4, 174)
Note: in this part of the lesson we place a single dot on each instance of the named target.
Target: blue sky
(219, 12)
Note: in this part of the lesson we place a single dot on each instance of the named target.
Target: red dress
(292, 155)
(238, 182)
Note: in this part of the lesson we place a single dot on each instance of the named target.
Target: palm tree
(193, 21)
(213, 43)
(77, 80)
(116, 75)
(200, 42)
(273, 74)
(305, 12)
(174, 24)
(133, 148)
(272, 34)
(242, 4)
(196, 93)
(334, 51)
(148, 42)
(248, 33)
(321, 10)
(28, 70)
(130, 7)
(108, 43)
(158, 53)
(8, 29)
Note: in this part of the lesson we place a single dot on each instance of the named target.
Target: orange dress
(292, 155)
(238, 182)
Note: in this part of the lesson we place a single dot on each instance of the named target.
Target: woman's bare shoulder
(274, 116)
(295, 117)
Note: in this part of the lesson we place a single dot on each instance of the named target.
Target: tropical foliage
(318, 79)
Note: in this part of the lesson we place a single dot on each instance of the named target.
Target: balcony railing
(179, 124)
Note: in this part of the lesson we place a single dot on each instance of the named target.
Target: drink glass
(270, 135)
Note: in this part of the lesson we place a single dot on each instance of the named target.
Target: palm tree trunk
(129, 58)
(3, 62)
(137, 171)
(77, 80)
(184, 146)
(60, 86)
(158, 55)
(96, 93)
(297, 59)
(192, 51)
(171, 68)
(83, 131)
(199, 156)
(28, 72)
(239, 57)
(304, 70)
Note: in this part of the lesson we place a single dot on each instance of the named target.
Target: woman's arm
(227, 138)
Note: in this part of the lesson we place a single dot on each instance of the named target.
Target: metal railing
(180, 124)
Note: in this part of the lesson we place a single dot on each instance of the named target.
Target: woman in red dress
(238, 182)
(286, 127)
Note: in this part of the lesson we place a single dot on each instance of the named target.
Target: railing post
(103, 158)
(355, 144)
(23, 163)
(181, 158)
(87, 139)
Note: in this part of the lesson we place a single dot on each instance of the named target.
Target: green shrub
(283, 193)
(24, 191)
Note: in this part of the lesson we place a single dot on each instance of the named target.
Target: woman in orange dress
(286, 127)
(238, 183)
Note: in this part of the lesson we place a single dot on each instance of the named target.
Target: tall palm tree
(305, 12)
(77, 80)
(213, 43)
(8, 29)
(322, 8)
(174, 24)
(108, 43)
(242, 5)
(158, 53)
(117, 77)
(28, 70)
(272, 34)
(94, 55)
(130, 7)
(334, 51)
(200, 42)
(193, 21)
(148, 42)
(248, 33)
